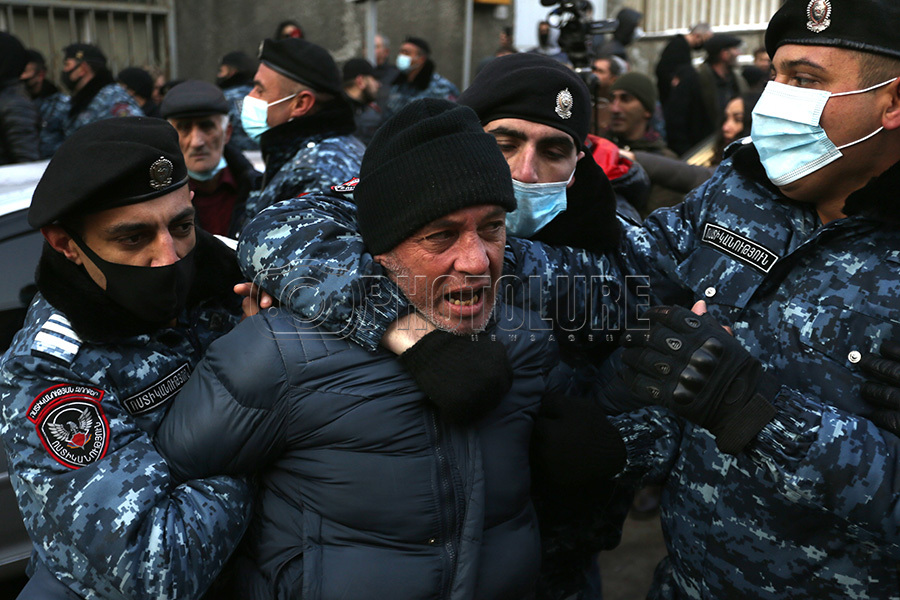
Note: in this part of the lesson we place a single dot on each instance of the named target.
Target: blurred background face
(733, 126)
(382, 52)
(628, 117)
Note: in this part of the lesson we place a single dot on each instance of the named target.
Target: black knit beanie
(430, 159)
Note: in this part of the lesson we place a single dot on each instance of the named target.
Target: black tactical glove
(690, 365)
(574, 448)
(882, 390)
(465, 378)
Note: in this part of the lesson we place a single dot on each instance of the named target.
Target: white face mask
(786, 131)
(255, 115)
(404, 62)
(537, 205)
(200, 176)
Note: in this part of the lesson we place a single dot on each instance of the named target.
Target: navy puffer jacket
(364, 491)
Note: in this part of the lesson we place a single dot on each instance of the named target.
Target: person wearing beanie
(417, 77)
(634, 100)
(787, 444)
(130, 294)
(139, 84)
(18, 116)
(697, 103)
(235, 77)
(95, 94)
(220, 177)
(303, 122)
(397, 462)
(361, 88)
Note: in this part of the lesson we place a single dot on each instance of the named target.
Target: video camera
(575, 31)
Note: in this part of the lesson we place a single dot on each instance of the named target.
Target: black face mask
(154, 294)
(66, 78)
(543, 38)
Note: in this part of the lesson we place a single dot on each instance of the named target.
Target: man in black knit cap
(383, 477)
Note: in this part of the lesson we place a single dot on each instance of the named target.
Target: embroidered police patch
(71, 424)
(819, 12)
(159, 393)
(346, 188)
(739, 247)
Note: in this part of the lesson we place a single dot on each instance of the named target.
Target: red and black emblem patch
(346, 188)
(70, 423)
(120, 109)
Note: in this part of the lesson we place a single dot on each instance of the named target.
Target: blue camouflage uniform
(107, 518)
(111, 100)
(239, 138)
(808, 510)
(308, 154)
(427, 84)
(53, 110)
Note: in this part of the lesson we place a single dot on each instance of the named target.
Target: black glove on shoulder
(464, 377)
(882, 390)
(574, 448)
(689, 364)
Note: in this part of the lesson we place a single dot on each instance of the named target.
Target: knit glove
(574, 448)
(465, 378)
(690, 365)
(882, 390)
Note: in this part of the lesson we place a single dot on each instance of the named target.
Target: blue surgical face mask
(198, 176)
(786, 131)
(255, 115)
(404, 62)
(538, 204)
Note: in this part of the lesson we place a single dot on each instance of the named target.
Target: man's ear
(62, 242)
(891, 117)
(302, 104)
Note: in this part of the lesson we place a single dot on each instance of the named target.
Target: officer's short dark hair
(876, 68)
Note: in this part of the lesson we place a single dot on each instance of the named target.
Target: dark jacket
(676, 54)
(247, 179)
(364, 491)
(19, 124)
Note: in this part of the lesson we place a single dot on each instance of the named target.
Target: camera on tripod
(575, 31)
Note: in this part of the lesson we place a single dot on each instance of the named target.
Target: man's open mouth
(463, 297)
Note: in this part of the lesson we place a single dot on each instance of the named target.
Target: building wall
(207, 29)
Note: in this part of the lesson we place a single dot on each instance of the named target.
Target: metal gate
(130, 32)
(666, 17)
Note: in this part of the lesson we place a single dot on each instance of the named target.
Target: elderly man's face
(449, 269)
(535, 153)
(202, 140)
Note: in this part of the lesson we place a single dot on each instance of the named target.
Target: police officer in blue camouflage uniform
(417, 78)
(95, 94)
(794, 244)
(235, 77)
(302, 121)
(131, 294)
(52, 104)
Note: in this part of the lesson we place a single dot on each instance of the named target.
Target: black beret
(193, 98)
(302, 61)
(719, 42)
(107, 164)
(85, 52)
(532, 87)
(864, 25)
(357, 66)
(241, 61)
(138, 80)
(419, 43)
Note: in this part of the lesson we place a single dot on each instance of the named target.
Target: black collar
(83, 97)
(96, 318)
(876, 200)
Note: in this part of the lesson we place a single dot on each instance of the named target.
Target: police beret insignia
(161, 173)
(819, 12)
(564, 103)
